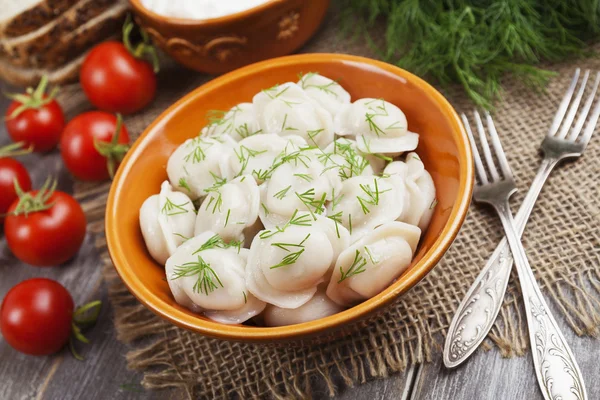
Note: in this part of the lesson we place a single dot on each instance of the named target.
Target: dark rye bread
(67, 73)
(33, 17)
(74, 43)
(49, 46)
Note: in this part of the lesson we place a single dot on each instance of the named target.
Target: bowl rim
(344, 318)
(139, 7)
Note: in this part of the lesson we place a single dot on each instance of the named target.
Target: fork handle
(478, 310)
(555, 366)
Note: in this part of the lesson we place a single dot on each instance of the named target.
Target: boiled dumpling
(287, 110)
(420, 191)
(379, 127)
(319, 306)
(328, 93)
(370, 265)
(366, 202)
(166, 221)
(238, 123)
(287, 263)
(230, 210)
(301, 183)
(205, 275)
(193, 166)
(343, 156)
(255, 155)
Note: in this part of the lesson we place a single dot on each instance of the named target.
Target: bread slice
(31, 76)
(18, 17)
(65, 37)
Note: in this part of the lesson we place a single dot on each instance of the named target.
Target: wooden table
(103, 375)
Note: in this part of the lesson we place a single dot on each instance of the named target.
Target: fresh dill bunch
(475, 43)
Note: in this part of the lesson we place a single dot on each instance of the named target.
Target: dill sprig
(183, 184)
(357, 267)
(475, 43)
(171, 208)
(295, 220)
(282, 193)
(314, 205)
(292, 257)
(326, 88)
(372, 196)
(207, 277)
(217, 242)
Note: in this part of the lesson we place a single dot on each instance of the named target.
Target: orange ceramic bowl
(443, 147)
(217, 45)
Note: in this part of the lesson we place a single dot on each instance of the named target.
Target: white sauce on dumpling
(328, 93)
(319, 306)
(229, 210)
(420, 191)
(287, 110)
(379, 127)
(255, 155)
(193, 166)
(366, 202)
(287, 263)
(166, 221)
(370, 265)
(238, 123)
(206, 275)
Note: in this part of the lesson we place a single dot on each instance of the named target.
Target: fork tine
(584, 113)
(486, 148)
(591, 125)
(562, 108)
(498, 147)
(477, 158)
(566, 124)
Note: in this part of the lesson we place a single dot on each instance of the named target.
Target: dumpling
(207, 275)
(420, 199)
(379, 127)
(343, 157)
(366, 202)
(238, 123)
(328, 93)
(230, 210)
(301, 183)
(370, 265)
(193, 166)
(255, 155)
(287, 110)
(166, 221)
(287, 263)
(319, 306)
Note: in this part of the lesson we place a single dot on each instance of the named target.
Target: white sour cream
(200, 9)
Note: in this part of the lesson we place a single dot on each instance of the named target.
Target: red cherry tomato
(89, 146)
(116, 81)
(35, 118)
(45, 227)
(36, 315)
(11, 170)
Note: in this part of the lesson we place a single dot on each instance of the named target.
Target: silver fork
(557, 371)
(478, 310)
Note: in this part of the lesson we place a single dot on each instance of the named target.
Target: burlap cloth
(562, 240)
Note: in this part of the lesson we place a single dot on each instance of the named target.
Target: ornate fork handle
(555, 366)
(478, 310)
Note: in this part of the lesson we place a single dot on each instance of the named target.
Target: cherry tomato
(35, 118)
(45, 227)
(115, 80)
(11, 170)
(36, 315)
(90, 148)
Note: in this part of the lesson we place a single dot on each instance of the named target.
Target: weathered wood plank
(488, 376)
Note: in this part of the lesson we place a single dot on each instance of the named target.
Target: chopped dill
(357, 267)
(207, 277)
